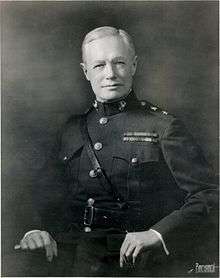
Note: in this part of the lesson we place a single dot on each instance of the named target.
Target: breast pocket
(143, 169)
(137, 168)
(69, 156)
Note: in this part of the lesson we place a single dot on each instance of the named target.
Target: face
(110, 67)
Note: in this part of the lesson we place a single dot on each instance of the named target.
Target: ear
(84, 68)
(134, 65)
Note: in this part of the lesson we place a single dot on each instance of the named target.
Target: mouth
(112, 85)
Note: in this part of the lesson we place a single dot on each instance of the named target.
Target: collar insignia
(95, 104)
(122, 105)
(154, 108)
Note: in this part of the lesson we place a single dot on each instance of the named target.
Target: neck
(113, 100)
(116, 106)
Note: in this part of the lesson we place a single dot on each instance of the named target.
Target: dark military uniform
(153, 175)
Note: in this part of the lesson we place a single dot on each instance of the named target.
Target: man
(126, 181)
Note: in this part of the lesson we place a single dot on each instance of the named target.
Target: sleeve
(50, 191)
(44, 193)
(193, 175)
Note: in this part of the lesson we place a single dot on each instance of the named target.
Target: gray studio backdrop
(42, 84)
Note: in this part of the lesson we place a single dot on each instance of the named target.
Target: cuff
(162, 241)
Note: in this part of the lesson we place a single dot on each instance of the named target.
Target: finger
(122, 253)
(123, 249)
(23, 244)
(45, 238)
(122, 261)
(47, 245)
(54, 245)
(125, 245)
(135, 254)
(129, 251)
(50, 246)
(49, 253)
(31, 244)
(38, 241)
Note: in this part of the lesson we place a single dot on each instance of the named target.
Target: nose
(110, 71)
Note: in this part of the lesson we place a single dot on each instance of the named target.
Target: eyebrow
(98, 61)
(115, 58)
(119, 57)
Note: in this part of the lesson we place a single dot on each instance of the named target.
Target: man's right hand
(39, 239)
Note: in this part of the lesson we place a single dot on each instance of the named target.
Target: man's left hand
(136, 243)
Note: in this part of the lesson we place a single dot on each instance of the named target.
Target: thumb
(54, 247)
(17, 246)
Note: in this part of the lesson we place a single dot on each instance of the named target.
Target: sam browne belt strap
(95, 162)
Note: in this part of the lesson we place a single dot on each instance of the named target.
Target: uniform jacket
(150, 159)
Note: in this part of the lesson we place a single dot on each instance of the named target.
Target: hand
(39, 239)
(136, 243)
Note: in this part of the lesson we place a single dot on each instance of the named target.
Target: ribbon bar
(141, 134)
(139, 139)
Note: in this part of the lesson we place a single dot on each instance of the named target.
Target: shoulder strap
(93, 158)
(88, 144)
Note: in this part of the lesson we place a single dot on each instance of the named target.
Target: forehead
(106, 48)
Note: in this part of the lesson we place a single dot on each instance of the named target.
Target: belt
(121, 216)
(111, 224)
(105, 218)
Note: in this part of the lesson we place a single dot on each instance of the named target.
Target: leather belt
(105, 218)
(120, 216)
(109, 187)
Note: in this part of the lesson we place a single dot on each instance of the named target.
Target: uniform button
(90, 202)
(103, 121)
(98, 146)
(65, 158)
(87, 229)
(99, 171)
(92, 174)
(134, 160)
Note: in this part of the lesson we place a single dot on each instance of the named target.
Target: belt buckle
(89, 213)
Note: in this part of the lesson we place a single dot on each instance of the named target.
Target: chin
(112, 94)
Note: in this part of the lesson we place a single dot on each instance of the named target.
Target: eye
(120, 62)
(98, 66)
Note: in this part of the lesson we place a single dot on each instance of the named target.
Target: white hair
(106, 31)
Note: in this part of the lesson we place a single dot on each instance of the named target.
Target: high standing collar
(119, 106)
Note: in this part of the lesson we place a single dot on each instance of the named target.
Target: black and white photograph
(109, 139)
